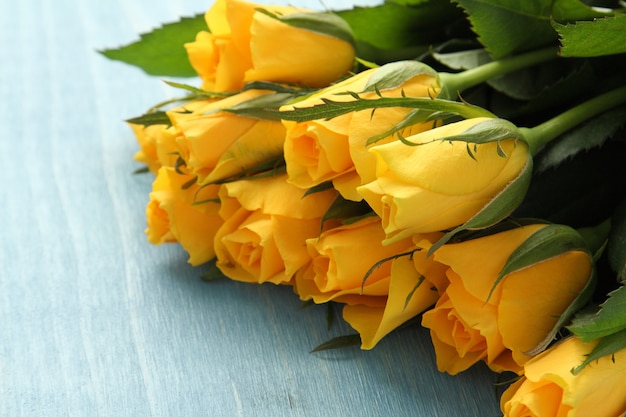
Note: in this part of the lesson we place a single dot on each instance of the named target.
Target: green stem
(540, 135)
(453, 84)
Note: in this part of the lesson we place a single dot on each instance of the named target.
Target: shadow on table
(400, 372)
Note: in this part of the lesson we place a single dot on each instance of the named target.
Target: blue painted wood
(94, 321)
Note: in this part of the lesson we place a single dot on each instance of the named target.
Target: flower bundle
(388, 170)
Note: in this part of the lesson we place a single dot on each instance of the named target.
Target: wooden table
(94, 321)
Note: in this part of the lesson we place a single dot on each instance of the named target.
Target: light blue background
(94, 321)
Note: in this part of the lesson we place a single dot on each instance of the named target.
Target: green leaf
(142, 170)
(400, 30)
(527, 83)
(149, 119)
(501, 206)
(212, 273)
(583, 191)
(345, 209)
(327, 185)
(462, 60)
(354, 219)
(191, 89)
(617, 242)
(609, 319)
(162, 51)
(555, 85)
(607, 346)
(593, 133)
(505, 27)
(339, 343)
(264, 169)
(596, 38)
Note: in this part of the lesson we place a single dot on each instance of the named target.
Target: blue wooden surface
(94, 321)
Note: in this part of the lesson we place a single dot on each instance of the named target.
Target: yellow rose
(147, 137)
(266, 222)
(415, 284)
(321, 150)
(341, 257)
(549, 388)
(158, 143)
(218, 144)
(187, 215)
(466, 325)
(437, 185)
(247, 45)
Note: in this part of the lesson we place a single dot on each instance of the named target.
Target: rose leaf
(162, 51)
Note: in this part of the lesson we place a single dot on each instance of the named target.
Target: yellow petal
(446, 167)
(304, 57)
(479, 261)
(204, 57)
(193, 226)
(347, 184)
(365, 125)
(598, 390)
(216, 19)
(404, 302)
(210, 137)
(317, 151)
(337, 266)
(407, 209)
(274, 195)
(249, 252)
(248, 151)
(445, 328)
(534, 298)
(290, 236)
(158, 221)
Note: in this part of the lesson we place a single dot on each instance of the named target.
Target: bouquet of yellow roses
(454, 163)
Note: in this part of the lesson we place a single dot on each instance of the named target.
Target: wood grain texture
(96, 322)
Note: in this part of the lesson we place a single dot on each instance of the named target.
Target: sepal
(395, 74)
(261, 107)
(608, 345)
(325, 23)
(493, 130)
(331, 109)
(548, 242)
